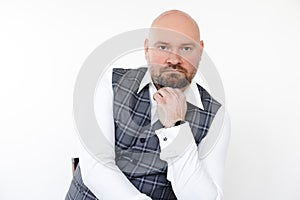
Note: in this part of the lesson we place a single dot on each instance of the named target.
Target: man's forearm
(192, 177)
(106, 181)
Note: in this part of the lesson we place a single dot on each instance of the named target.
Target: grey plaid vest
(136, 144)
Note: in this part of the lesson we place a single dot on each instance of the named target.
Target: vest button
(142, 140)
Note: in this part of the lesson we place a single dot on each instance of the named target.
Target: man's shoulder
(128, 74)
(207, 99)
(122, 71)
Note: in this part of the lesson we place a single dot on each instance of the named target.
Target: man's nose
(174, 58)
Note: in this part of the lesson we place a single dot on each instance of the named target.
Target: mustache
(172, 67)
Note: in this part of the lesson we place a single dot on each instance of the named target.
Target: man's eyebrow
(161, 42)
(188, 44)
(183, 44)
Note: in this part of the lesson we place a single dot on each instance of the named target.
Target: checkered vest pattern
(136, 144)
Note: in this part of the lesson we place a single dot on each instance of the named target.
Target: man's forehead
(169, 36)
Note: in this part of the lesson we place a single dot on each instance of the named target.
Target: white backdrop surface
(254, 45)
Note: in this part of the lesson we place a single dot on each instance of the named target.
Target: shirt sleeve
(102, 178)
(196, 174)
(174, 140)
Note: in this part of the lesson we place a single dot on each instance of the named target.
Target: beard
(172, 80)
(166, 78)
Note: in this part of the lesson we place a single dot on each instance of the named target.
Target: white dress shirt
(195, 172)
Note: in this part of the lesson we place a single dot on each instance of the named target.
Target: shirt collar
(191, 92)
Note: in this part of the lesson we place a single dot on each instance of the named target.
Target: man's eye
(162, 47)
(186, 48)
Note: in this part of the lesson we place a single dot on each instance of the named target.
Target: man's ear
(201, 43)
(146, 48)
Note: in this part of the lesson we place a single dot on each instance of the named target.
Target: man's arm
(105, 179)
(193, 175)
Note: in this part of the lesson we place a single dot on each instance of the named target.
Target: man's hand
(171, 105)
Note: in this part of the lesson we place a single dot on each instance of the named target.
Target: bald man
(156, 118)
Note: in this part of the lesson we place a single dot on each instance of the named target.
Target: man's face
(173, 58)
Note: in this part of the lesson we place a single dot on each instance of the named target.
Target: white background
(254, 45)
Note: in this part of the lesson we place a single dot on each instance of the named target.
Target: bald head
(178, 21)
(173, 49)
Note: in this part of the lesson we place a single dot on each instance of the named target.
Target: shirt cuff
(174, 140)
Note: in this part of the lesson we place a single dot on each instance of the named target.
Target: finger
(163, 92)
(174, 94)
(180, 98)
(171, 91)
(180, 94)
(158, 98)
(158, 95)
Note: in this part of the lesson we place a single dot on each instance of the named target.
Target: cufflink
(179, 123)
